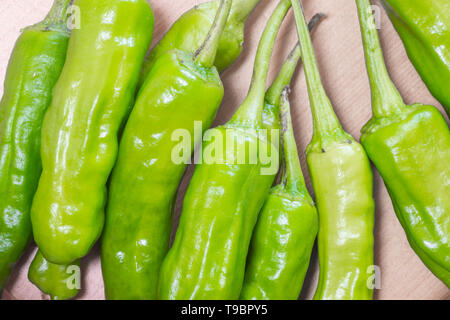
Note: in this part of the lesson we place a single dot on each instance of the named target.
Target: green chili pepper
(424, 27)
(79, 133)
(53, 279)
(207, 260)
(180, 89)
(410, 146)
(343, 184)
(287, 226)
(34, 68)
(189, 31)
(276, 267)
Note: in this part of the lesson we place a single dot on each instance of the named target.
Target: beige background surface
(339, 52)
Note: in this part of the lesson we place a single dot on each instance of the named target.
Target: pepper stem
(284, 77)
(241, 9)
(56, 18)
(58, 12)
(386, 100)
(292, 175)
(250, 112)
(325, 120)
(206, 54)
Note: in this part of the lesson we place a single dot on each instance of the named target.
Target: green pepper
(53, 279)
(35, 65)
(288, 211)
(80, 129)
(342, 179)
(226, 193)
(424, 27)
(287, 226)
(180, 89)
(189, 31)
(410, 146)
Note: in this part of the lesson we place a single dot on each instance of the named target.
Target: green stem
(292, 176)
(386, 100)
(325, 120)
(284, 77)
(58, 12)
(250, 112)
(206, 54)
(241, 9)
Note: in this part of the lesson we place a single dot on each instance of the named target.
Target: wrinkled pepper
(80, 129)
(410, 147)
(189, 31)
(51, 278)
(180, 89)
(342, 179)
(424, 27)
(287, 226)
(35, 65)
(222, 202)
(55, 280)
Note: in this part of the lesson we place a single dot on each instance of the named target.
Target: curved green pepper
(424, 27)
(222, 202)
(35, 65)
(79, 133)
(410, 146)
(53, 279)
(189, 31)
(343, 184)
(284, 235)
(180, 89)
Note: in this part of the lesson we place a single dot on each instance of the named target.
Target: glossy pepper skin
(34, 68)
(222, 202)
(53, 279)
(284, 235)
(180, 89)
(190, 30)
(79, 134)
(342, 179)
(410, 146)
(424, 27)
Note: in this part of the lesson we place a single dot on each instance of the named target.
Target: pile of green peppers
(90, 127)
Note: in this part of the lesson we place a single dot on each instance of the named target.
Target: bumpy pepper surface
(424, 27)
(410, 146)
(61, 282)
(226, 193)
(342, 179)
(79, 133)
(180, 90)
(35, 65)
(284, 235)
(189, 31)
